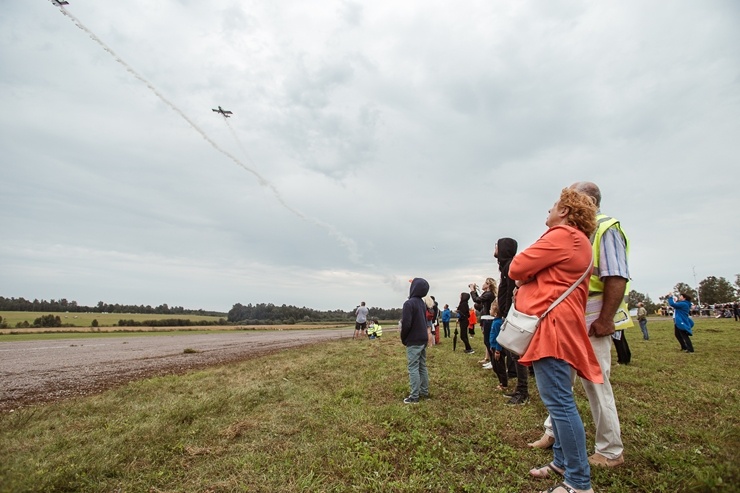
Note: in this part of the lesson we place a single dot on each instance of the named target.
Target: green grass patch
(329, 418)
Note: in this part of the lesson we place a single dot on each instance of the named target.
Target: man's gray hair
(590, 189)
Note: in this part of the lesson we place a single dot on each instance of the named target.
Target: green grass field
(329, 418)
(86, 319)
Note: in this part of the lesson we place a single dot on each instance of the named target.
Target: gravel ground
(42, 371)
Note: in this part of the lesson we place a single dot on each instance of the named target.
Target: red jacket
(554, 263)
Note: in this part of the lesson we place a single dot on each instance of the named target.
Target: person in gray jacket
(414, 337)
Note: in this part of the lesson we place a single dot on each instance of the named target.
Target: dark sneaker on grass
(469, 351)
(411, 400)
(518, 400)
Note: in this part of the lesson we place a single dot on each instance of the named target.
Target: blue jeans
(643, 327)
(418, 376)
(556, 391)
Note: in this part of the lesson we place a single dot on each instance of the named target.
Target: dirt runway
(39, 371)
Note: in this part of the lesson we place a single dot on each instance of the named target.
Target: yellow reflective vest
(622, 318)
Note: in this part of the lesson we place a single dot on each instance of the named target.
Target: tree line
(252, 314)
(63, 305)
(711, 291)
(288, 314)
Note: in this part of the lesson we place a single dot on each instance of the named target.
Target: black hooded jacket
(414, 315)
(506, 250)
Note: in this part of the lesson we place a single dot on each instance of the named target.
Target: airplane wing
(228, 112)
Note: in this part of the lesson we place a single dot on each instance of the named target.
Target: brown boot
(599, 460)
(545, 442)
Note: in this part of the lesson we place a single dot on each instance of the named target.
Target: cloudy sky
(371, 142)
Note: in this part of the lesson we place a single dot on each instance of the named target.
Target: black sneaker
(411, 400)
(469, 351)
(509, 394)
(518, 400)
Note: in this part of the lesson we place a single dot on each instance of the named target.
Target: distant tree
(737, 283)
(633, 298)
(682, 287)
(716, 290)
(48, 321)
(94, 323)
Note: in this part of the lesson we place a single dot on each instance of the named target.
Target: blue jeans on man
(643, 328)
(418, 376)
(556, 391)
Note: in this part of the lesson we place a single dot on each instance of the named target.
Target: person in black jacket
(463, 313)
(504, 251)
(485, 299)
(414, 337)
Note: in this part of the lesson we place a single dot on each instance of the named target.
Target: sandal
(564, 486)
(544, 471)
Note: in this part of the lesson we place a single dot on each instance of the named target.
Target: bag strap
(570, 289)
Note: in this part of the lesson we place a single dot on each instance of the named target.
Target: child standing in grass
(498, 361)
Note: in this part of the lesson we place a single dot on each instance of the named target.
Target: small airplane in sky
(224, 112)
(59, 3)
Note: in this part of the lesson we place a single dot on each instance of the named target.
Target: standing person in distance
(682, 322)
(642, 319)
(485, 299)
(415, 337)
(463, 312)
(360, 321)
(446, 316)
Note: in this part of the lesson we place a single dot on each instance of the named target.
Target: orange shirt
(554, 263)
(473, 318)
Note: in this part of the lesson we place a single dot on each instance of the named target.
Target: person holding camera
(485, 299)
(682, 322)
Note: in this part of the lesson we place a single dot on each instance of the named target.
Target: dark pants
(499, 368)
(464, 333)
(510, 365)
(522, 376)
(684, 339)
(446, 326)
(486, 326)
(624, 355)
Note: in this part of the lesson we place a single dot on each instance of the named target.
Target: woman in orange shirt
(542, 273)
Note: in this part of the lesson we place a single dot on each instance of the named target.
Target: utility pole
(698, 296)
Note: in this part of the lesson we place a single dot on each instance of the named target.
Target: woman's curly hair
(581, 210)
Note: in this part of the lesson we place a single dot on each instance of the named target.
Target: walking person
(642, 319)
(415, 337)
(560, 259)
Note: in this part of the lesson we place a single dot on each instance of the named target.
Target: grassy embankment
(330, 418)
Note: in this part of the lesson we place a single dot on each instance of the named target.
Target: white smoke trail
(348, 243)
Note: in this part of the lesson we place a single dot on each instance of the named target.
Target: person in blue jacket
(498, 361)
(414, 337)
(446, 316)
(682, 322)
